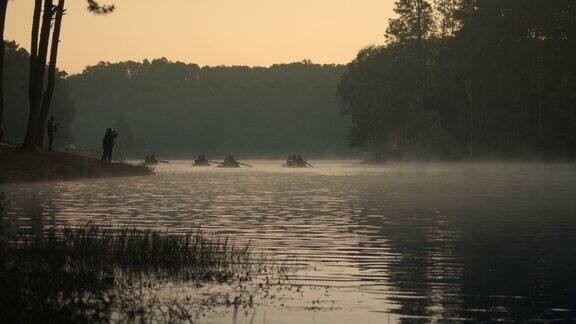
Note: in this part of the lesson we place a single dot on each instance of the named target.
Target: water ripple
(486, 240)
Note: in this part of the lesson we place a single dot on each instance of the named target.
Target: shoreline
(20, 166)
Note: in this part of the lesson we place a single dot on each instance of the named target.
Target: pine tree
(40, 97)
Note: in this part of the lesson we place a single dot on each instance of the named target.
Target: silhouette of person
(52, 129)
(108, 145)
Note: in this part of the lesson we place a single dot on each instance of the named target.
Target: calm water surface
(461, 241)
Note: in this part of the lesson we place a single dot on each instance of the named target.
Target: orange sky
(212, 32)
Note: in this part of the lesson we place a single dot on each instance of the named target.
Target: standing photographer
(108, 145)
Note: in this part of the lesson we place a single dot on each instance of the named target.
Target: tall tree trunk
(34, 45)
(37, 77)
(3, 7)
(47, 98)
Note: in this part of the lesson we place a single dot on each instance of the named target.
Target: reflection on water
(484, 241)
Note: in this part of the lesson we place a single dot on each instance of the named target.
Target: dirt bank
(17, 165)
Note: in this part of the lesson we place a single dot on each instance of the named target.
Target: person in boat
(230, 160)
(147, 159)
(201, 159)
(108, 145)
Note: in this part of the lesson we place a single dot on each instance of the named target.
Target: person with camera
(108, 145)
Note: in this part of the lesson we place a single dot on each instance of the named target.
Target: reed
(74, 274)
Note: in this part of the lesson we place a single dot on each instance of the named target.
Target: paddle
(160, 161)
(309, 164)
(216, 162)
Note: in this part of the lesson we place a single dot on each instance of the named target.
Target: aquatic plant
(94, 273)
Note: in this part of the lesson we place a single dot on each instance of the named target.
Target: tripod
(118, 150)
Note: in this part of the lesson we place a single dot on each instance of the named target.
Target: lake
(487, 241)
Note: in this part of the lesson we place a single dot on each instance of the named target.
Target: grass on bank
(76, 274)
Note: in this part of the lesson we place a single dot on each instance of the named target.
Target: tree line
(164, 106)
(173, 107)
(467, 79)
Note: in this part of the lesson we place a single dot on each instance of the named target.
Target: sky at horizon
(212, 32)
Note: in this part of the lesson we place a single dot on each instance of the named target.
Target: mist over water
(452, 240)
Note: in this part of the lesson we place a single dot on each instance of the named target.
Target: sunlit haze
(213, 32)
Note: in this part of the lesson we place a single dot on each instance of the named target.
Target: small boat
(229, 165)
(230, 162)
(296, 161)
(295, 164)
(200, 162)
(151, 160)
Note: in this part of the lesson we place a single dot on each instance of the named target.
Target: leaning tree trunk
(47, 98)
(3, 7)
(37, 76)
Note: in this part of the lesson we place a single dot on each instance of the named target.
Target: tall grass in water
(193, 255)
(73, 275)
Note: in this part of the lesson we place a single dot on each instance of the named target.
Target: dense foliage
(16, 74)
(468, 78)
(173, 107)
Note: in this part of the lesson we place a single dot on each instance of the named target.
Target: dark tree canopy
(174, 107)
(16, 90)
(498, 79)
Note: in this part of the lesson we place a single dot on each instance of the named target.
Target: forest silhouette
(468, 79)
(455, 79)
(173, 107)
